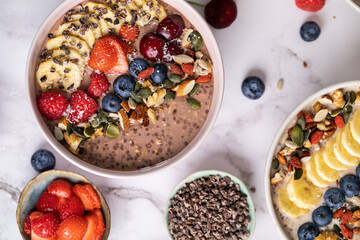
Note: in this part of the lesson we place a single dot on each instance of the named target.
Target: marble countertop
(263, 41)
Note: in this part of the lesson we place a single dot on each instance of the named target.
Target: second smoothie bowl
(122, 88)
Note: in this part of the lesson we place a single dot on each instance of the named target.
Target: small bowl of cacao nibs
(210, 204)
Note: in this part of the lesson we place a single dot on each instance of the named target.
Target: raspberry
(310, 5)
(339, 121)
(82, 107)
(99, 85)
(52, 104)
(316, 137)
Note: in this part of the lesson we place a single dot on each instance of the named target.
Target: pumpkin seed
(352, 97)
(297, 135)
(88, 132)
(196, 40)
(301, 122)
(79, 131)
(298, 173)
(346, 117)
(347, 98)
(336, 112)
(175, 78)
(337, 230)
(349, 109)
(132, 104)
(135, 97)
(193, 103)
(194, 90)
(144, 93)
(307, 134)
(112, 131)
(297, 153)
(95, 123)
(170, 95)
(321, 115)
(167, 83)
(69, 128)
(138, 86)
(58, 133)
(103, 116)
(275, 163)
(354, 209)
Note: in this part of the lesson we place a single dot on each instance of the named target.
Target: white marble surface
(264, 41)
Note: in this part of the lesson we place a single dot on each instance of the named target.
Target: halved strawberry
(73, 206)
(61, 188)
(47, 203)
(72, 228)
(91, 233)
(129, 33)
(46, 225)
(108, 56)
(100, 222)
(88, 196)
(128, 49)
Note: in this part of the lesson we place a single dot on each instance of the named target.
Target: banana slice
(287, 206)
(355, 126)
(349, 143)
(112, 18)
(340, 152)
(128, 10)
(324, 171)
(57, 74)
(150, 10)
(76, 28)
(313, 176)
(70, 42)
(303, 193)
(69, 53)
(92, 21)
(329, 156)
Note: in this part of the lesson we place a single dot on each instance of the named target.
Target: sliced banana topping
(70, 42)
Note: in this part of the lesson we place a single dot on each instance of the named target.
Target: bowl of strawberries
(62, 205)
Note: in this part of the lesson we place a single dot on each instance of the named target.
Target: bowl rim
(286, 122)
(354, 5)
(205, 173)
(216, 103)
(105, 207)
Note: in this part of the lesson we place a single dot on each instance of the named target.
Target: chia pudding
(149, 140)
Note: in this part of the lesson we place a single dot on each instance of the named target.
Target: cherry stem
(197, 4)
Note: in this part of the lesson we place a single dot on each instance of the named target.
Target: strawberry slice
(91, 232)
(88, 196)
(108, 56)
(46, 225)
(100, 222)
(60, 188)
(27, 225)
(47, 203)
(128, 49)
(129, 33)
(73, 206)
(72, 228)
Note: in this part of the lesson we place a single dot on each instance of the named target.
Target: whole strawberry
(61, 188)
(52, 104)
(45, 226)
(47, 203)
(82, 107)
(310, 5)
(98, 85)
(72, 228)
(129, 33)
(73, 206)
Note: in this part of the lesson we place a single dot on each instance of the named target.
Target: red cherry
(220, 13)
(151, 47)
(171, 27)
(171, 49)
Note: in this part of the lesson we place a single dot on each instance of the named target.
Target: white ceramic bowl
(206, 173)
(199, 23)
(283, 130)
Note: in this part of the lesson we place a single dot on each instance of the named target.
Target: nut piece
(62, 124)
(287, 151)
(97, 133)
(185, 37)
(124, 119)
(182, 58)
(307, 143)
(140, 115)
(73, 141)
(185, 87)
(281, 159)
(355, 219)
(290, 167)
(321, 126)
(132, 104)
(156, 98)
(290, 144)
(338, 99)
(329, 133)
(152, 115)
(317, 107)
(148, 84)
(321, 115)
(125, 106)
(278, 177)
(357, 101)
(326, 99)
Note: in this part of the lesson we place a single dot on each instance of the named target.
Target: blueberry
(43, 160)
(111, 103)
(310, 31)
(350, 184)
(334, 197)
(308, 231)
(322, 216)
(159, 74)
(123, 85)
(137, 66)
(358, 171)
(253, 87)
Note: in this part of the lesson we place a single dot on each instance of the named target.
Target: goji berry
(305, 154)
(345, 218)
(308, 117)
(301, 114)
(188, 68)
(346, 232)
(339, 121)
(177, 70)
(204, 79)
(338, 213)
(316, 136)
(146, 73)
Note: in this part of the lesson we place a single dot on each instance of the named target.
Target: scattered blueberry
(43, 160)
(123, 85)
(322, 216)
(111, 103)
(308, 231)
(350, 184)
(358, 171)
(159, 74)
(310, 31)
(137, 66)
(253, 87)
(334, 197)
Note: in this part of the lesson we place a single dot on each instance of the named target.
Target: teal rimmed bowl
(206, 173)
(37, 186)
